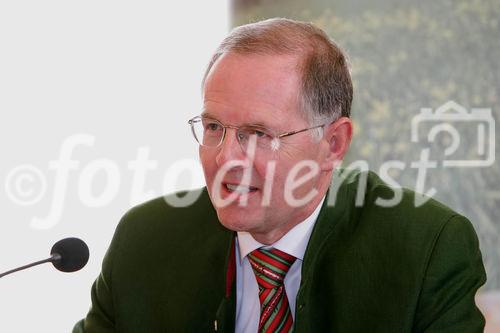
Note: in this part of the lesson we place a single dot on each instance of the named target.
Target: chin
(236, 220)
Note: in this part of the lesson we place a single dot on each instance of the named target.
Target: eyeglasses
(210, 132)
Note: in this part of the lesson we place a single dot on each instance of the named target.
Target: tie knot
(270, 266)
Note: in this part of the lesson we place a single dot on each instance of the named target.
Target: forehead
(253, 88)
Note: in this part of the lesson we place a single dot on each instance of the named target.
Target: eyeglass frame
(191, 122)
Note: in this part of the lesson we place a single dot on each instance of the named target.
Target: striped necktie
(270, 267)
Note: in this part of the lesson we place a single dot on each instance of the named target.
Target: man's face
(258, 90)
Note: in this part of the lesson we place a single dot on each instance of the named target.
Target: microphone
(67, 255)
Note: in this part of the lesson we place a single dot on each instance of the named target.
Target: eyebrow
(257, 124)
(208, 115)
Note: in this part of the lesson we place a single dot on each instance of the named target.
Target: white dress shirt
(247, 291)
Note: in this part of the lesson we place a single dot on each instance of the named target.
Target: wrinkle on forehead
(265, 116)
(254, 89)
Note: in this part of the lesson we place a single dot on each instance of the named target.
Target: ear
(337, 138)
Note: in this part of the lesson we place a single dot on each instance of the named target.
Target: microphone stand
(53, 258)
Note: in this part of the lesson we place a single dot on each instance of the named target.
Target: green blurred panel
(409, 55)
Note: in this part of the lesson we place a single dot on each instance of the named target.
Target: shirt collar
(294, 242)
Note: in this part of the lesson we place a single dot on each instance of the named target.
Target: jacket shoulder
(186, 208)
(180, 219)
(410, 225)
(374, 197)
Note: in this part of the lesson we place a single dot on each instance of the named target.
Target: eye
(258, 132)
(212, 127)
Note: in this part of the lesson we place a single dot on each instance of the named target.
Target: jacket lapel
(336, 207)
(225, 317)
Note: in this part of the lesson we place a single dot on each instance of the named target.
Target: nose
(230, 150)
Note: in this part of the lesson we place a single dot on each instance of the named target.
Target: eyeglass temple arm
(193, 120)
(299, 131)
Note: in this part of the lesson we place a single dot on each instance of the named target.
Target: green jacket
(366, 269)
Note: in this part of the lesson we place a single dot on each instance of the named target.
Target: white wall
(126, 77)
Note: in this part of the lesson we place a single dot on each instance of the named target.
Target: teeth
(238, 188)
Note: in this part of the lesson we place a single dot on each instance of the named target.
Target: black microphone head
(74, 254)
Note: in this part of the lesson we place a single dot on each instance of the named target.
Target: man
(278, 240)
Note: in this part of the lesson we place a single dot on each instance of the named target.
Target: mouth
(238, 188)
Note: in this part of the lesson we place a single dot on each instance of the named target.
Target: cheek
(273, 180)
(208, 164)
(259, 168)
(286, 175)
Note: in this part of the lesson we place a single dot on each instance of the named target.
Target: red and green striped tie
(270, 267)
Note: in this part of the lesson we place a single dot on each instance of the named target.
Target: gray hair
(326, 87)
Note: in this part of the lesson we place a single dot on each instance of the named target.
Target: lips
(239, 188)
